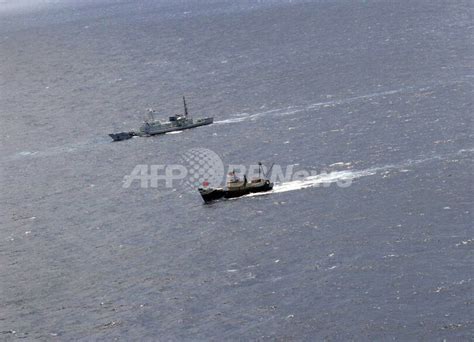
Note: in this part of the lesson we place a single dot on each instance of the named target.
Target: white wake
(344, 178)
(291, 110)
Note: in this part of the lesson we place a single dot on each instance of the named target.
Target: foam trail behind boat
(291, 110)
(342, 177)
(345, 177)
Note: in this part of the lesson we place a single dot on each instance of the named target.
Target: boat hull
(210, 194)
(122, 136)
(201, 122)
(160, 130)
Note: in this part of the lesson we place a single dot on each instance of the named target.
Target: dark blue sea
(378, 92)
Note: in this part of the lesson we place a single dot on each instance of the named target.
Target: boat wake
(291, 110)
(344, 178)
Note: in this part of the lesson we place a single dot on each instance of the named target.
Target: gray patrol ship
(152, 127)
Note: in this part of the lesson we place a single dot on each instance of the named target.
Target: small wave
(27, 153)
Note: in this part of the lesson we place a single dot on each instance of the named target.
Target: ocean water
(376, 93)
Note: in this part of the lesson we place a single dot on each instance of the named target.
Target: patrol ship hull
(151, 130)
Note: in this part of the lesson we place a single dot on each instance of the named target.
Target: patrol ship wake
(152, 126)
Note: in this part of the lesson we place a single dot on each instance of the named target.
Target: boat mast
(268, 171)
(185, 107)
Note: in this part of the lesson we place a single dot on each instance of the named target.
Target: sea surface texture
(373, 96)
